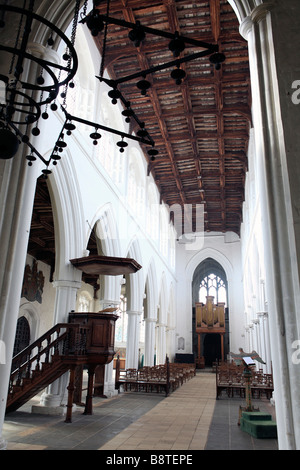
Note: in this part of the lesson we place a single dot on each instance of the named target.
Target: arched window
(22, 339)
(210, 279)
(85, 302)
(213, 285)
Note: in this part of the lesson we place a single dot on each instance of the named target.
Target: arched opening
(210, 281)
(212, 348)
(22, 338)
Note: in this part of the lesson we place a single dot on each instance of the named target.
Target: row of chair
(160, 378)
(231, 380)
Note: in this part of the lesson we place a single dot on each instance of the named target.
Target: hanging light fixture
(122, 144)
(137, 34)
(142, 132)
(143, 85)
(114, 94)
(216, 59)
(25, 97)
(9, 144)
(128, 112)
(95, 136)
(177, 45)
(178, 75)
(94, 22)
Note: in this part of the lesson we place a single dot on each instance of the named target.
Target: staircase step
(259, 425)
(256, 416)
(26, 381)
(36, 373)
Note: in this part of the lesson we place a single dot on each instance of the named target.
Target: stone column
(161, 343)
(278, 226)
(109, 381)
(251, 341)
(133, 336)
(17, 195)
(257, 346)
(264, 342)
(170, 341)
(149, 341)
(17, 191)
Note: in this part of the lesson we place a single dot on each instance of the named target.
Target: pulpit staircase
(88, 339)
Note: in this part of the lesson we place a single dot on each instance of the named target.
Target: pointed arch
(68, 219)
(209, 253)
(106, 230)
(244, 8)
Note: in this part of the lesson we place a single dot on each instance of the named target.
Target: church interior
(150, 220)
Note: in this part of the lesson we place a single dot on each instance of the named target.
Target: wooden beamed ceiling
(200, 127)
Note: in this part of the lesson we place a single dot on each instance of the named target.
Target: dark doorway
(212, 348)
(22, 335)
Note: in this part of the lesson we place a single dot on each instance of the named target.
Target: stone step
(259, 425)
(256, 416)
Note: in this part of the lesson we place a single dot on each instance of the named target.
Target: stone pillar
(265, 354)
(170, 343)
(257, 346)
(149, 341)
(17, 191)
(133, 336)
(17, 195)
(277, 223)
(109, 381)
(161, 343)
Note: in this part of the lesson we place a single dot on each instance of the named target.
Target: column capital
(134, 312)
(66, 283)
(44, 52)
(258, 14)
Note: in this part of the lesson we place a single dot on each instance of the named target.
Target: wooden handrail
(36, 343)
(62, 348)
(70, 340)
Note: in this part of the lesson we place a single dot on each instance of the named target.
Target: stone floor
(189, 419)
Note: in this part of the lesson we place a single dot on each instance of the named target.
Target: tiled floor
(188, 419)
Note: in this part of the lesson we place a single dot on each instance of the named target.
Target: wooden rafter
(201, 127)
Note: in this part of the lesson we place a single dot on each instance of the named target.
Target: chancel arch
(210, 313)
